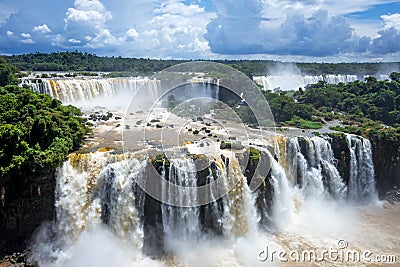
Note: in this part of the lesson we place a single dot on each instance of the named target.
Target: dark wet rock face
(153, 230)
(385, 158)
(387, 165)
(209, 214)
(393, 195)
(22, 212)
(341, 153)
(258, 171)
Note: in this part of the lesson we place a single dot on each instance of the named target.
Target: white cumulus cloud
(25, 35)
(176, 30)
(27, 41)
(91, 12)
(297, 29)
(87, 22)
(179, 9)
(57, 40)
(74, 41)
(103, 38)
(388, 40)
(132, 34)
(314, 28)
(42, 29)
(392, 21)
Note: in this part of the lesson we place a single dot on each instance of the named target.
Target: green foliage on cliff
(376, 100)
(161, 163)
(36, 134)
(385, 139)
(230, 145)
(304, 124)
(7, 73)
(287, 111)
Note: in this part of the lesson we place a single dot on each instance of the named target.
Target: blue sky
(290, 30)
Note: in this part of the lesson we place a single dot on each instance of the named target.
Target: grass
(304, 124)
(229, 145)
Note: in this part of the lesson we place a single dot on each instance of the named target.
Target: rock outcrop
(23, 211)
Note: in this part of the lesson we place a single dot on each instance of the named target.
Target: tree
(36, 135)
(395, 76)
(7, 73)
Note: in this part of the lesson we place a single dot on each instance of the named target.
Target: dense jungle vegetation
(36, 132)
(80, 62)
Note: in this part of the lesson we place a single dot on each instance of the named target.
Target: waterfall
(95, 188)
(99, 189)
(283, 203)
(362, 175)
(70, 90)
(217, 90)
(198, 88)
(77, 90)
(240, 218)
(181, 223)
(335, 79)
(311, 166)
(295, 81)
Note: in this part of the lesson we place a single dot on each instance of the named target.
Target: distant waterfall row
(99, 188)
(86, 89)
(72, 90)
(294, 81)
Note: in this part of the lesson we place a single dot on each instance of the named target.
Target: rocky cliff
(21, 212)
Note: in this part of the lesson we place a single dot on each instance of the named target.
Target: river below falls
(367, 232)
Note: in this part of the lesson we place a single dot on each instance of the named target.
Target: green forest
(36, 132)
(371, 99)
(368, 108)
(84, 62)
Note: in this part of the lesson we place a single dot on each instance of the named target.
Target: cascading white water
(380, 77)
(313, 169)
(323, 158)
(295, 81)
(72, 90)
(240, 217)
(99, 189)
(85, 89)
(196, 88)
(118, 199)
(283, 204)
(362, 174)
(181, 223)
(95, 188)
